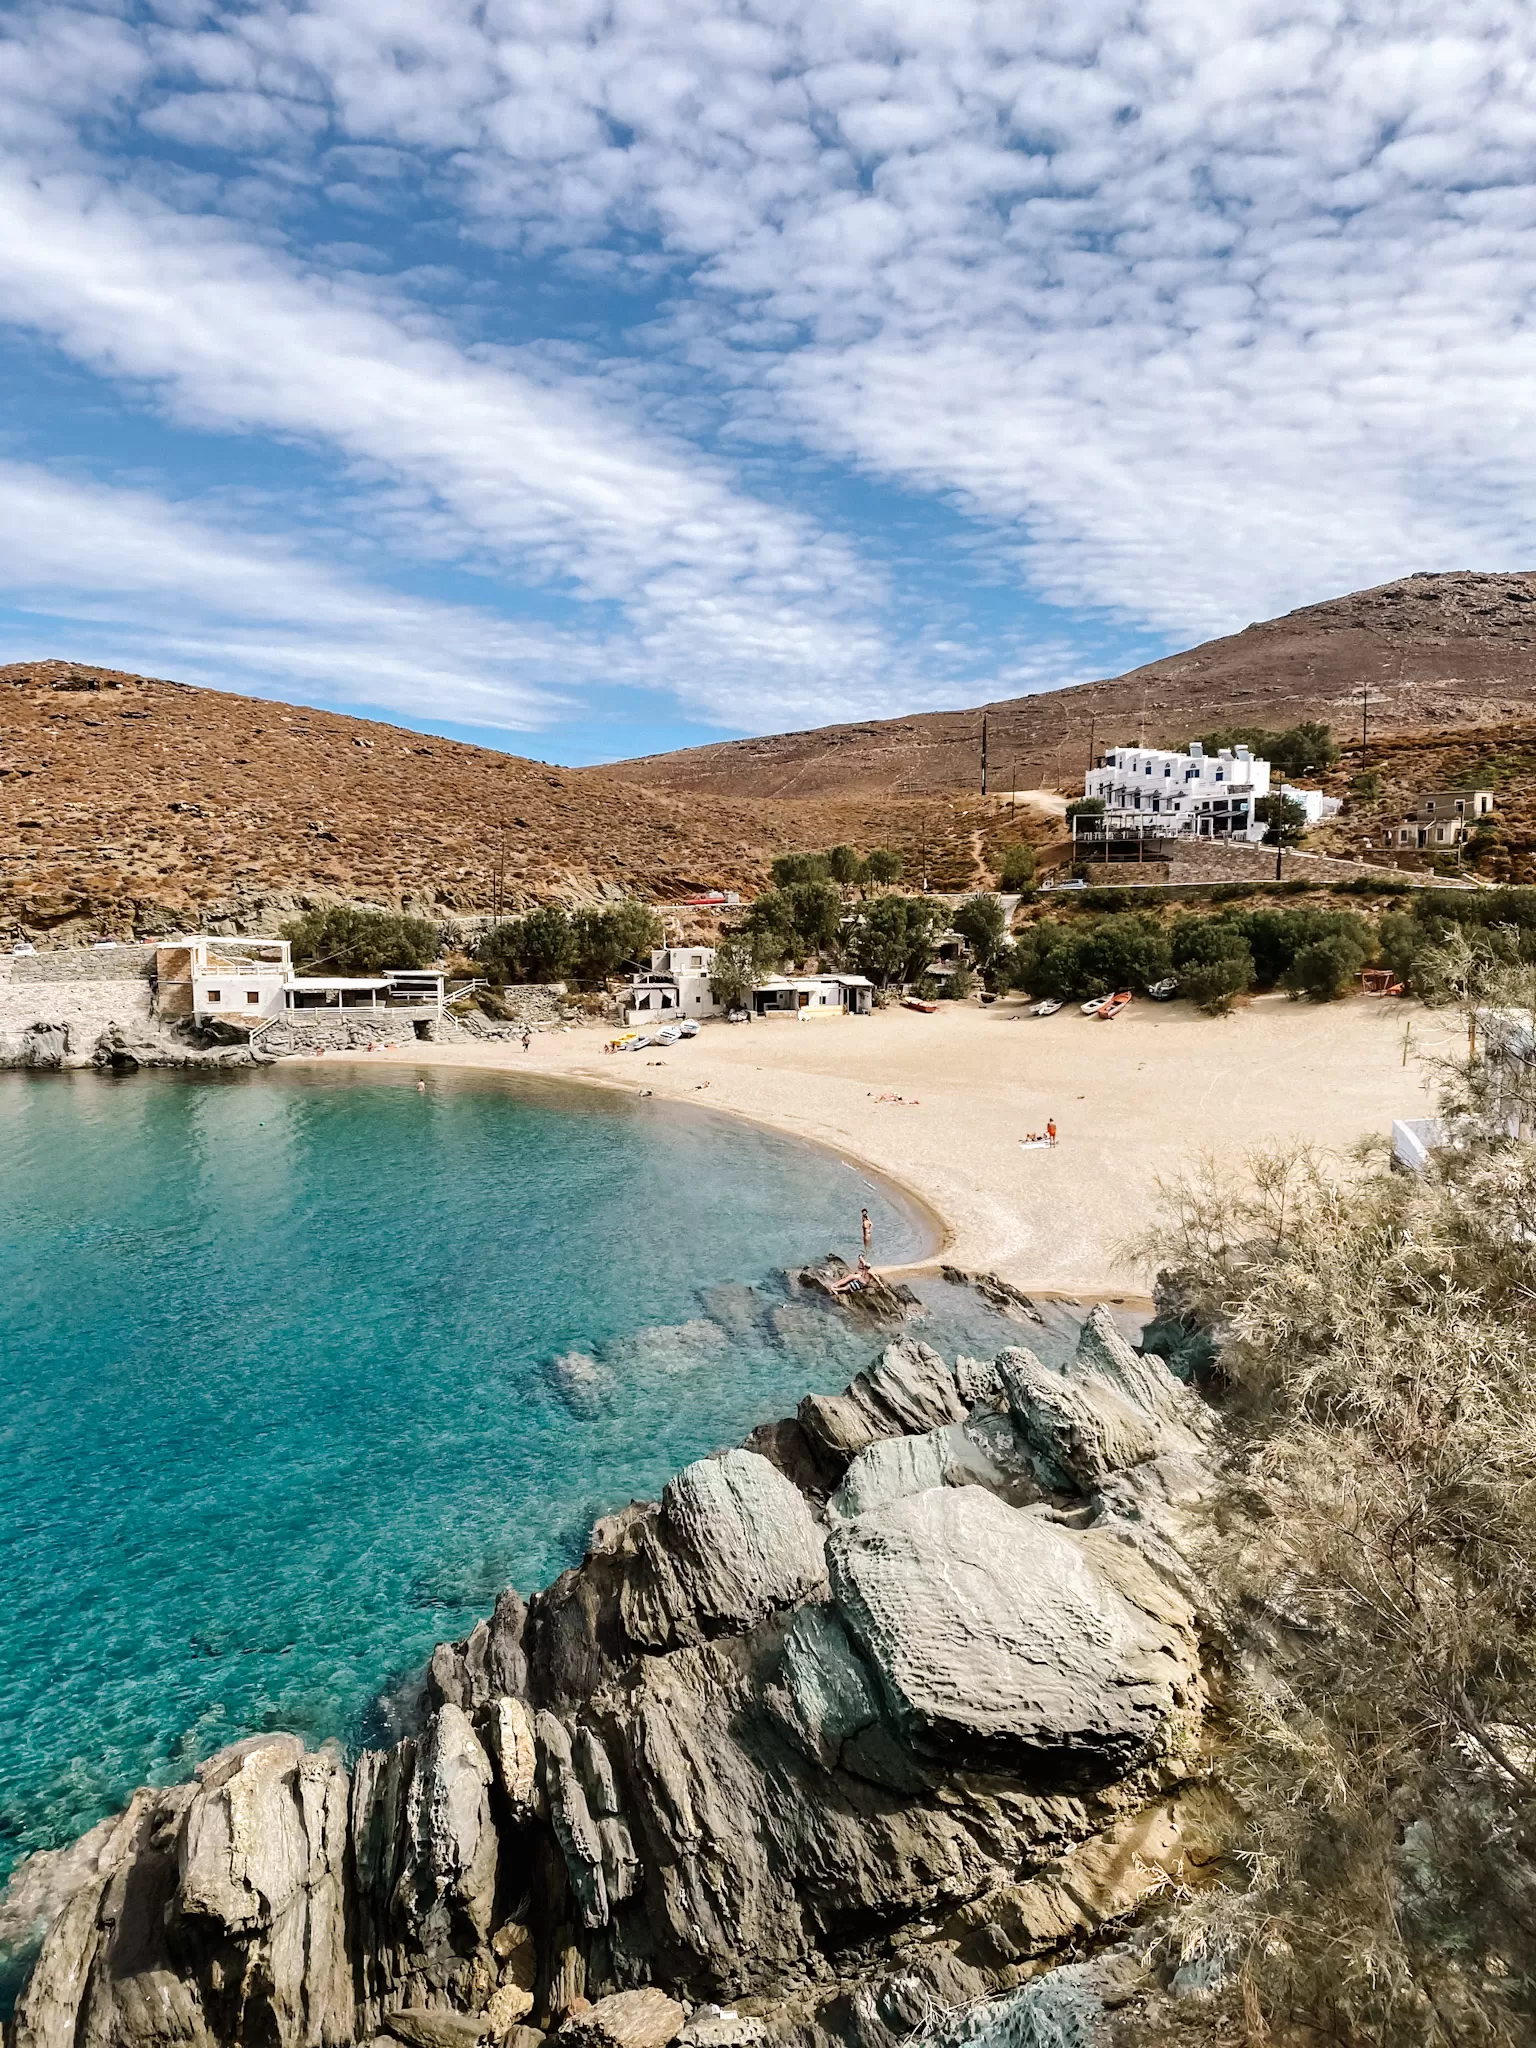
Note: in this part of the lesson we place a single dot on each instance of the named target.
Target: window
(253, 995)
(215, 995)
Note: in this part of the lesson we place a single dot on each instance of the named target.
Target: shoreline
(1159, 1088)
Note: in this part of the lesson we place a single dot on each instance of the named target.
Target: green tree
(983, 923)
(892, 939)
(1213, 961)
(844, 865)
(1130, 951)
(344, 940)
(883, 867)
(1085, 807)
(816, 916)
(605, 940)
(735, 972)
(790, 868)
(1328, 968)
(538, 947)
(1018, 867)
(1305, 749)
(1285, 818)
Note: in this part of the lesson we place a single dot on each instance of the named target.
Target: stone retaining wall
(80, 964)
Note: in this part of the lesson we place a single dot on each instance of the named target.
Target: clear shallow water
(297, 1370)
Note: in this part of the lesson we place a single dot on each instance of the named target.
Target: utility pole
(983, 753)
(1092, 727)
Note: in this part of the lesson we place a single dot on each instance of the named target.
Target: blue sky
(597, 378)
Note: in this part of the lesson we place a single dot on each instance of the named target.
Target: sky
(591, 379)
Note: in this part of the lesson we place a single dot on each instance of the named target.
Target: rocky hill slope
(134, 805)
(1435, 652)
(870, 1719)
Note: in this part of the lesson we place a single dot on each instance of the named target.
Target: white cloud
(1192, 313)
(139, 573)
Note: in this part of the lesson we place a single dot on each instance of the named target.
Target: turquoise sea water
(299, 1369)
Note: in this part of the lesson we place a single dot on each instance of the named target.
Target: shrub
(1017, 870)
(982, 922)
(790, 868)
(1213, 961)
(1327, 969)
(844, 865)
(349, 941)
(883, 866)
(606, 940)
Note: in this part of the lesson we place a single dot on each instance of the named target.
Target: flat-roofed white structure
(675, 985)
(208, 976)
(1316, 805)
(1173, 795)
(811, 997)
(250, 981)
(395, 989)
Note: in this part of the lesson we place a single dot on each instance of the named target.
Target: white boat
(638, 1043)
(667, 1035)
(1165, 990)
(1048, 1008)
(1092, 1007)
(689, 1028)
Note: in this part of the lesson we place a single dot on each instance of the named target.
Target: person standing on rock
(867, 1227)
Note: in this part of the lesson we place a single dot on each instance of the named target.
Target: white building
(813, 997)
(1170, 795)
(675, 985)
(213, 977)
(1313, 802)
(250, 981)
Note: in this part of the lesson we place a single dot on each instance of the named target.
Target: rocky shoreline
(892, 1711)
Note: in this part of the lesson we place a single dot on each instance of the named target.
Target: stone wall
(1208, 860)
(312, 1031)
(80, 964)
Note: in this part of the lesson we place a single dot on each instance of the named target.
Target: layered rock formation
(860, 1723)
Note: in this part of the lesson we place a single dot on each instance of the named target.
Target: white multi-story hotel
(1207, 796)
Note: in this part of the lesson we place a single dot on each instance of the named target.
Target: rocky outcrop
(860, 1724)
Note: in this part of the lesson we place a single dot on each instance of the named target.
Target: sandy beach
(940, 1104)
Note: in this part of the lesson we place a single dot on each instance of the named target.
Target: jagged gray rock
(734, 1540)
(908, 1388)
(817, 1729)
(998, 1642)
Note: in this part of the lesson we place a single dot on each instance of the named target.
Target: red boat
(1115, 1005)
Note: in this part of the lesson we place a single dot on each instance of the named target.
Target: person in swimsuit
(867, 1227)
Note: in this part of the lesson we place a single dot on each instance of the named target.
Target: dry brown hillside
(128, 803)
(1435, 653)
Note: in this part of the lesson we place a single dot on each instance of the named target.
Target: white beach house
(1176, 795)
(813, 997)
(674, 986)
(251, 981)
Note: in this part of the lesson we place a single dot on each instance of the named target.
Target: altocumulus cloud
(782, 361)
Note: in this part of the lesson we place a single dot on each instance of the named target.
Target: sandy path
(1132, 1100)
